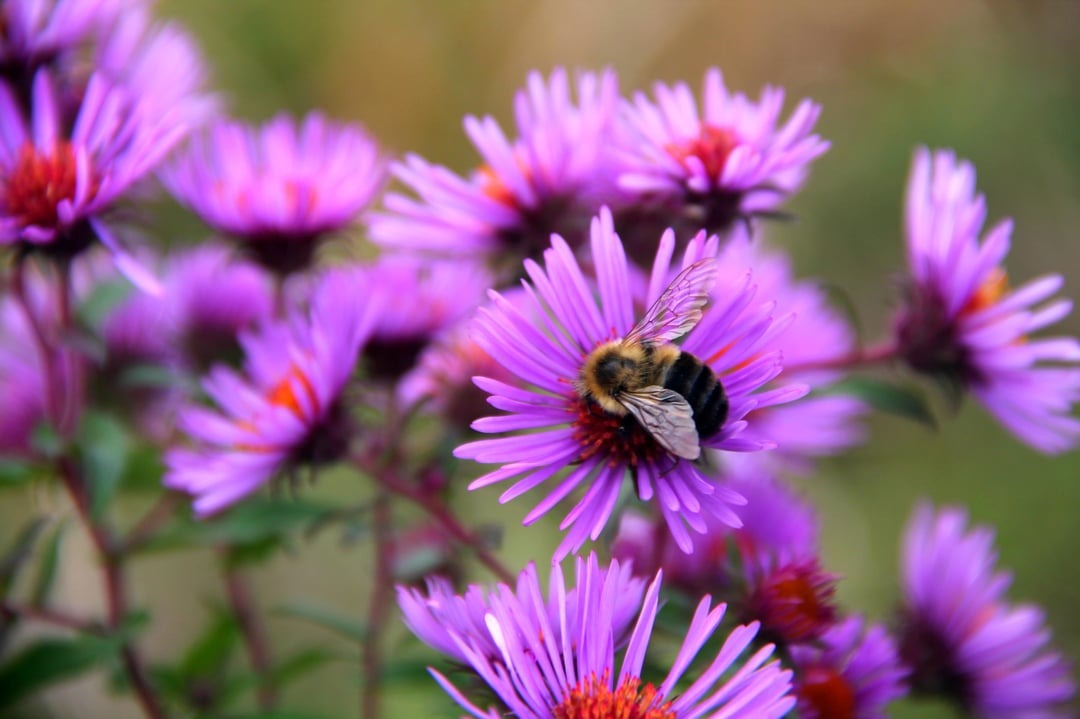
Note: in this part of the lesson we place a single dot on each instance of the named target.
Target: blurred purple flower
(727, 162)
(551, 178)
(546, 345)
(287, 411)
(430, 296)
(854, 673)
(963, 324)
(812, 426)
(958, 634)
(38, 31)
(22, 382)
(564, 665)
(55, 187)
(280, 189)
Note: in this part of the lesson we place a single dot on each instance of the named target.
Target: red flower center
(592, 699)
(825, 694)
(39, 182)
(621, 439)
(794, 603)
(712, 147)
(283, 394)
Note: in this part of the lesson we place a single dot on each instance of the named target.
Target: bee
(672, 394)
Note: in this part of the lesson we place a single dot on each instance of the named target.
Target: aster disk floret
(551, 178)
(960, 636)
(726, 162)
(853, 673)
(287, 411)
(56, 185)
(963, 325)
(279, 189)
(558, 658)
(562, 435)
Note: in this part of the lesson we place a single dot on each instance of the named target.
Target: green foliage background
(994, 80)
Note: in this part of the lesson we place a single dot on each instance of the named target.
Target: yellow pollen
(593, 699)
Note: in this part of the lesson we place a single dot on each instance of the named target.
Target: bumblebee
(672, 394)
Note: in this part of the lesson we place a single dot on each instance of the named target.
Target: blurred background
(997, 81)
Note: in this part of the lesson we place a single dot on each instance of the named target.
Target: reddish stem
(53, 617)
(115, 593)
(441, 513)
(252, 629)
(145, 529)
(859, 357)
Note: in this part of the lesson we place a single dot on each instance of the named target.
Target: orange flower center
(493, 186)
(284, 392)
(592, 699)
(39, 182)
(827, 694)
(712, 147)
(993, 288)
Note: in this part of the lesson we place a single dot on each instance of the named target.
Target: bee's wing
(678, 308)
(667, 416)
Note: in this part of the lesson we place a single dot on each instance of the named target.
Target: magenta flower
(959, 635)
(56, 185)
(963, 324)
(558, 659)
(441, 617)
(22, 382)
(281, 189)
(37, 31)
(551, 178)
(726, 162)
(813, 426)
(433, 295)
(547, 345)
(287, 411)
(854, 673)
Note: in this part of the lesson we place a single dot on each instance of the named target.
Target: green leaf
(14, 472)
(901, 400)
(50, 661)
(299, 664)
(335, 621)
(104, 446)
(19, 553)
(50, 561)
(213, 648)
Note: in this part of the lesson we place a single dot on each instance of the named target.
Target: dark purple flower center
(794, 603)
(931, 658)
(593, 699)
(39, 182)
(824, 693)
(620, 439)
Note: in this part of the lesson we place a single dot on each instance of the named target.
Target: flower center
(712, 147)
(39, 182)
(493, 186)
(283, 394)
(794, 603)
(992, 289)
(825, 694)
(593, 699)
(621, 439)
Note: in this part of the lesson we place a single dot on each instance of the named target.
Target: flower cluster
(593, 317)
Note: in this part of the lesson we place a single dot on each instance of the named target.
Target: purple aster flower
(812, 426)
(441, 616)
(854, 673)
(160, 63)
(287, 411)
(22, 383)
(55, 185)
(434, 295)
(564, 665)
(768, 568)
(280, 189)
(550, 345)
(551, 178)
(958, 634)
(725, 163)
(963, 324)
(39, 31)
